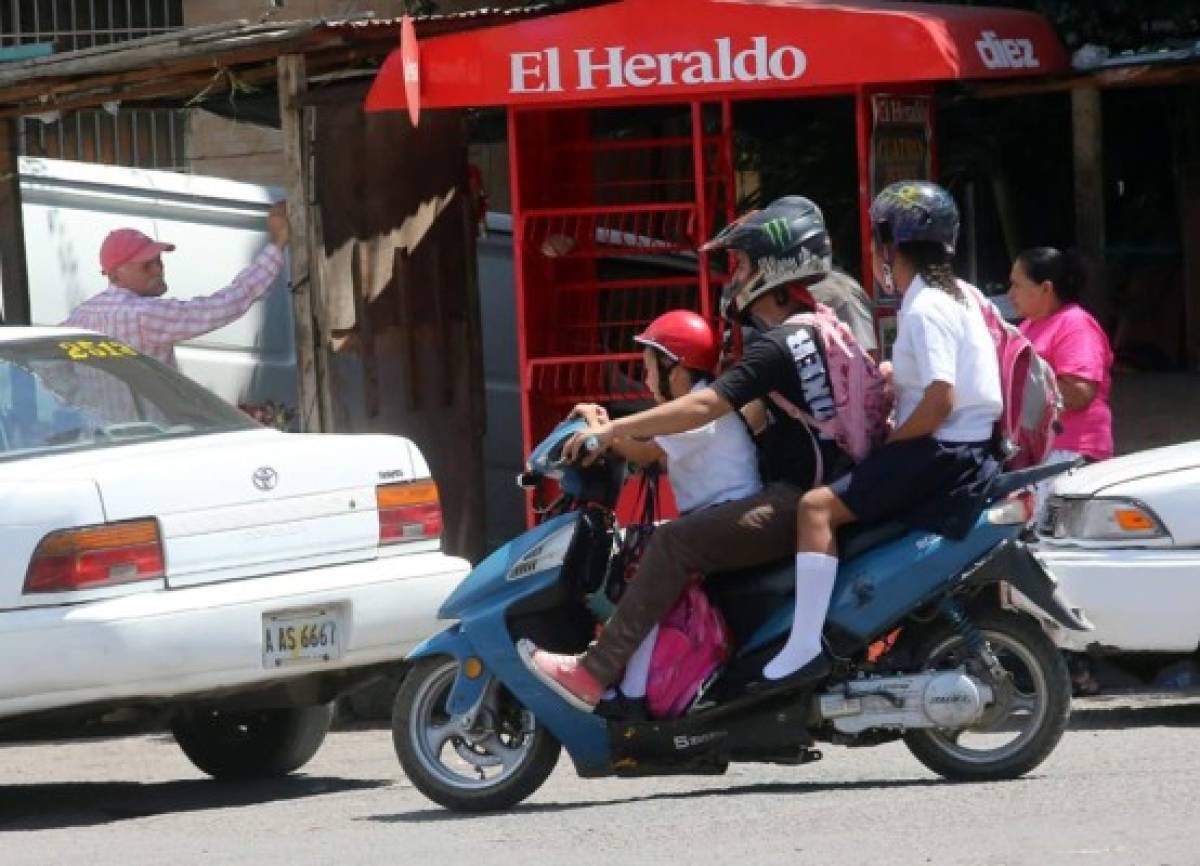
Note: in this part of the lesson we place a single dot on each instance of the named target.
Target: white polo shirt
(712, 464)
(941, 338)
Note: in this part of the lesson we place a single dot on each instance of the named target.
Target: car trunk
(242, 505)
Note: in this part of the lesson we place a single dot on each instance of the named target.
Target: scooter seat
(857, 538)
(751, 596)
(779, 578)
(776, 578)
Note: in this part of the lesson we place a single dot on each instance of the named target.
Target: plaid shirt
(154, 325)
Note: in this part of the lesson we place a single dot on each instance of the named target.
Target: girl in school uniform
(940, 455)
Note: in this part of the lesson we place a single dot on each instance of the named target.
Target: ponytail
(932, 263)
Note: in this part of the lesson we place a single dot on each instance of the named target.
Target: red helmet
(684, 337)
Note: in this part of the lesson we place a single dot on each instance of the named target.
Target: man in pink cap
(133, 310)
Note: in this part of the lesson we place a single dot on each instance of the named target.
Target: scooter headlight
(548, 553)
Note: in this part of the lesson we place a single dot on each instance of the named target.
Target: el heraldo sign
(614, 68)
(640, 50)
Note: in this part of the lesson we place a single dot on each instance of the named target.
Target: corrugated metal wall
(399, 296)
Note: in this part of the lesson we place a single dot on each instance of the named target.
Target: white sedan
(1123, 538)
(168, 561)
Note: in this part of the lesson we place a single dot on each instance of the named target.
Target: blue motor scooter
(935, 641)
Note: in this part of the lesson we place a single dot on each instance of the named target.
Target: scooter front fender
(583, 735)
(1013, 563)
(466, 692)
(450, 642)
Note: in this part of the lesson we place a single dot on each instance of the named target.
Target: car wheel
(252, 745)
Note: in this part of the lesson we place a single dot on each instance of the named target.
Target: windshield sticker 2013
(86, 350)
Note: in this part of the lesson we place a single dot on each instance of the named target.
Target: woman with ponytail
(938, 461)
(1044, 287)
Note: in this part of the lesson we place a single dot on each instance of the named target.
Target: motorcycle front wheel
(1028, 716)
(495, 764)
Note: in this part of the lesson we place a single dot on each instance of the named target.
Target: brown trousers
(740, 534)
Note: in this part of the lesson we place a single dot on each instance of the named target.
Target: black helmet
(914, 211)
(786, 242)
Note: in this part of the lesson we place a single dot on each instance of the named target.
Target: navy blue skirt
(925, 483)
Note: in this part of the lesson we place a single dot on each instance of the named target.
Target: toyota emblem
(265, 478)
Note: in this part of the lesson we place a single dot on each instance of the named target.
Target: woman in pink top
(1044, 287)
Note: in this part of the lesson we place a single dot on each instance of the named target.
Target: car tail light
(408, 512)
(1016, 509)
(96, 556)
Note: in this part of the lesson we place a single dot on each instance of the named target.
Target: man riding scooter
(778, 251)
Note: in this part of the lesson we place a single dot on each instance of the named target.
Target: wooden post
(315, 247)
(310, 366)
(1087, 127)
(13, 276)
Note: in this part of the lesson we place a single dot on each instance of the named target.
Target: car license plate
(309, 635)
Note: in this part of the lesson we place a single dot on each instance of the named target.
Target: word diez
(997, 53)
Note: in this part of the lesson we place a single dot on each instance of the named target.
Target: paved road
(1122, 788)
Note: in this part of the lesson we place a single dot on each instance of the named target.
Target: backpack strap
(820, 322)
(807, 421)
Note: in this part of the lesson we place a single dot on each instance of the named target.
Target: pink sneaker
(563, 675)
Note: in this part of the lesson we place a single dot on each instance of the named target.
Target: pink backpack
(862, 396)
(693, 641)
(1032, 402)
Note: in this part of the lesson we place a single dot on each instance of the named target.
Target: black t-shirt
(790, 360)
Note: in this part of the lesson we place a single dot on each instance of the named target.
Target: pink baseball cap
(129, 245)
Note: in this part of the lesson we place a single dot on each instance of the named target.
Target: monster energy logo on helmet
(786, 242)
(778, 231)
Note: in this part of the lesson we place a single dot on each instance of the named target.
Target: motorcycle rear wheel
(1035, 705)
(450, 766)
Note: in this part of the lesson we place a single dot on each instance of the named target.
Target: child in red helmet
(712, 464)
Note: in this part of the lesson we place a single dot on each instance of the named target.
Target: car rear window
(77, 392)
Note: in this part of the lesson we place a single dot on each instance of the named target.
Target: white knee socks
(815, 574)
(637, 672)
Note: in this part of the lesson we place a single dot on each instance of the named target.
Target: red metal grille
(614, 230)
(564, 381)
(642, 170)
(602, 317)
(609, 230)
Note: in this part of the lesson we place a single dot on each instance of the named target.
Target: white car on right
(1123, 538)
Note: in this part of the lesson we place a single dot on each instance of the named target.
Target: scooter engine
(938, 699)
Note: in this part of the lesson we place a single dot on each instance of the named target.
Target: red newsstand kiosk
(582, 198)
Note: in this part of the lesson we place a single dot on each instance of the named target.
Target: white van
(217, 225)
